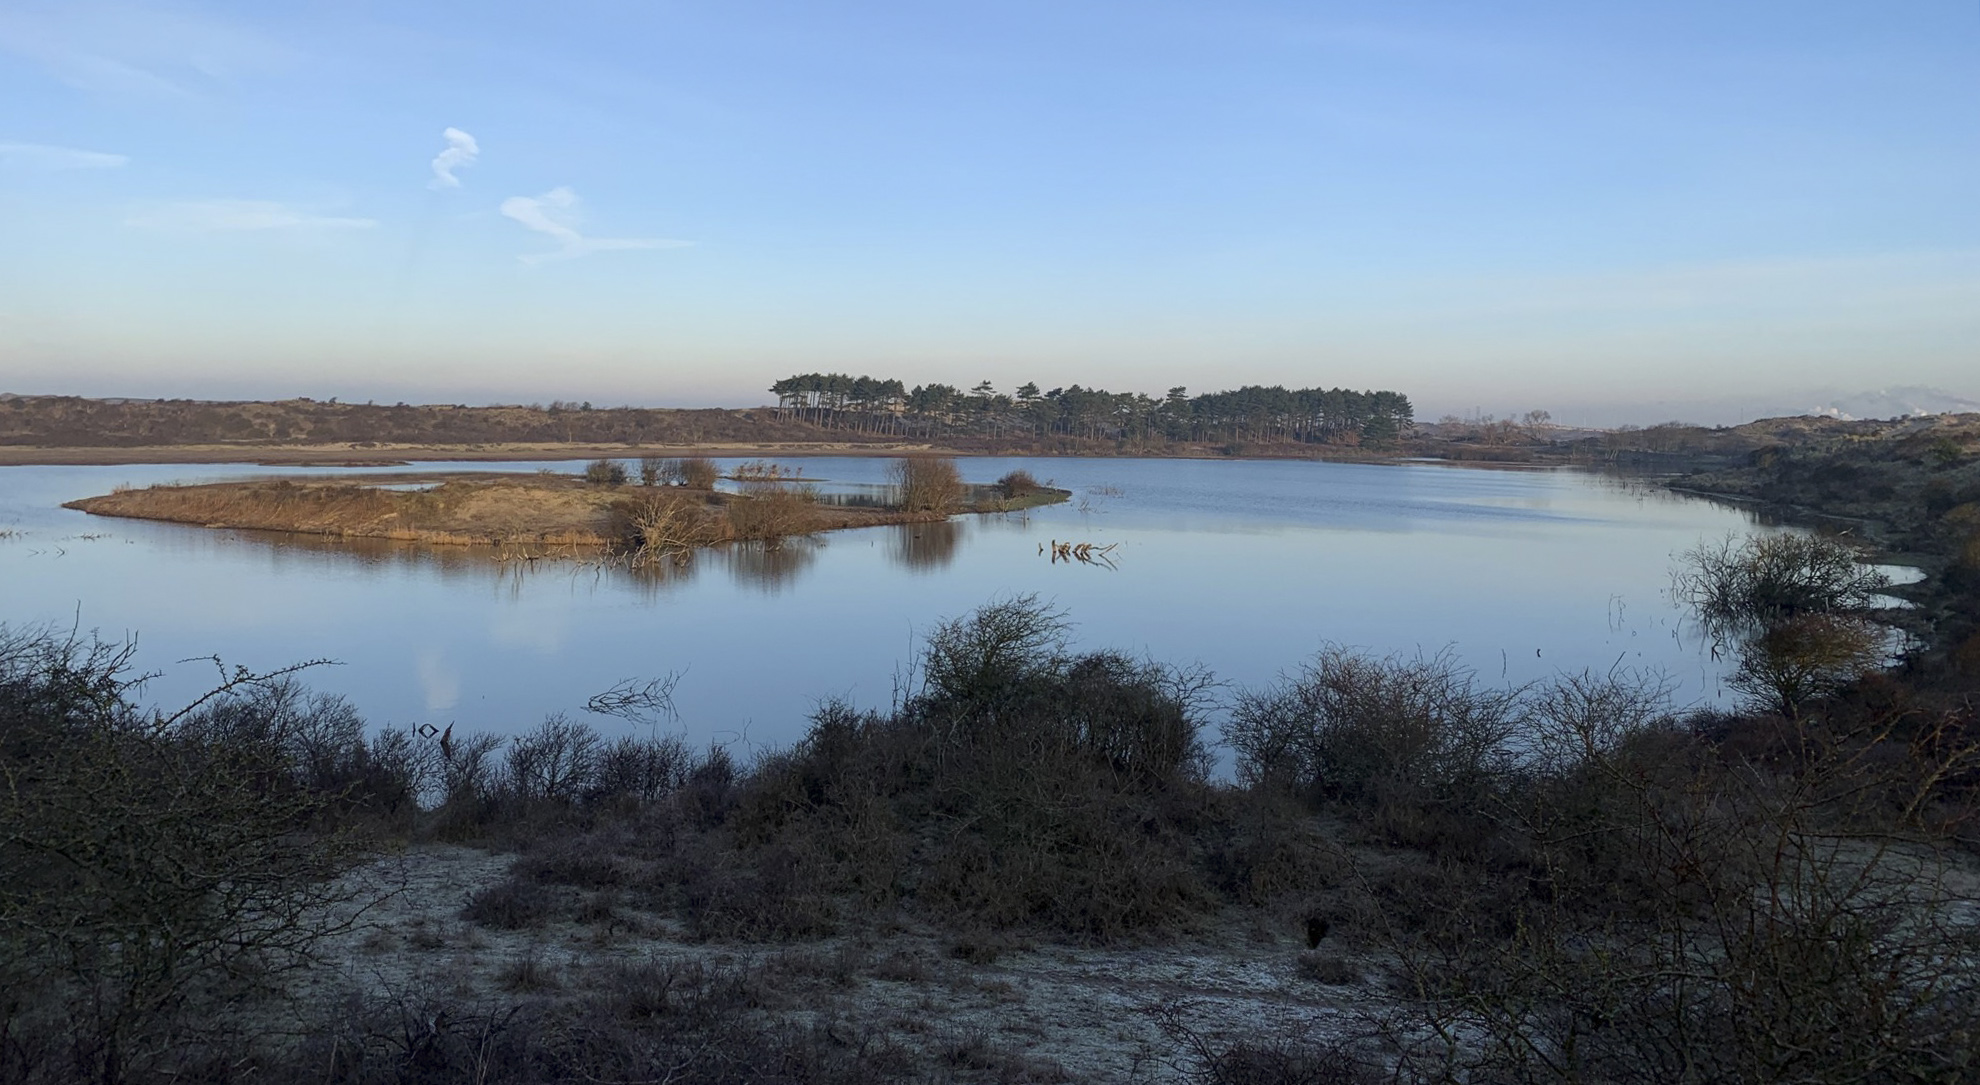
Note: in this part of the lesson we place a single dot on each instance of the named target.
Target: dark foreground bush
(1693, 913)
(1418, 745)
(1024, 785)
(156, 872)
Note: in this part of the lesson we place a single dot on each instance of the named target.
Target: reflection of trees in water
(478, 563)
(770, 568)
(319, 551)
(922, 547)
(1016, 521)
(1653, 489)
(652, 579)
(855, 495)
(754, 563)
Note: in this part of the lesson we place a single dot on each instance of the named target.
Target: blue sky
(1602, 210)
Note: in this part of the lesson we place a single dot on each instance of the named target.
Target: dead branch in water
(1084, 553)
(640, 702)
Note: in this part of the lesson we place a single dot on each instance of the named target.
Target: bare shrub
(1704, 917)
(1056, 780)
(158, 870)
(466, 771)
(605, 473)
(640, 771)
(1016, 484)
(657, 471)
(1736, 584)
(699, 473)
(555, 763)
(1402, 737)
(1574, 720)
(662, 525)
(709, 793)
(926, 483)
(773, 514)
(1809, 655)
(969, 658)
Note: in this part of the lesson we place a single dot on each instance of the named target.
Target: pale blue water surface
(1245, 567)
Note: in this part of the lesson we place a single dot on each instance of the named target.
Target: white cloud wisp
(556, 214)
(462, 151)
(41, 156)
(239, 216)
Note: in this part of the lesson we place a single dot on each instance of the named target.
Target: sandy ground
(1094, 1013)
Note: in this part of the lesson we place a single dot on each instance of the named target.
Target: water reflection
(306, 554)
(652, 579)
(770, 568)
(1245, 567)
(924, 547)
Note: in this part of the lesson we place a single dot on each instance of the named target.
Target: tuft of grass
(511, 904)
(527, 973)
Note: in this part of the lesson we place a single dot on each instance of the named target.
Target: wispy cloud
(41, 156)
(138, 51)
(556, 213)
(461, 151)
(240, 216)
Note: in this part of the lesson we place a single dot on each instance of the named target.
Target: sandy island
(523, 510)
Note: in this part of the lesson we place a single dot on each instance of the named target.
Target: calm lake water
(1243, 567)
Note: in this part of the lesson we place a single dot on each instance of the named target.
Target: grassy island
(597, 510)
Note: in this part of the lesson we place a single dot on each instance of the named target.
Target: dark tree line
(1252, 413)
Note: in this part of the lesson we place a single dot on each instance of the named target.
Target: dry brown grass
(554, 511)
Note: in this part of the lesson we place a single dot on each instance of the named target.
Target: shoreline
(400, 455)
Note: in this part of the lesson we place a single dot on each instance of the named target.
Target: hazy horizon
(1617, 216)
